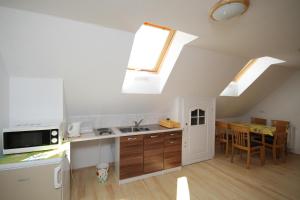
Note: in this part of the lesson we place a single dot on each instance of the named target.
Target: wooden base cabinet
(131, 156)
(172, 150)
(153, 152)
(143, 154)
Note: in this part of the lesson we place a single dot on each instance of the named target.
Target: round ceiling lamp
(226, 9)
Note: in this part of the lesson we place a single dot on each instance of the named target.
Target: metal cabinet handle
(131, 139)
(58, 177)
(172, 142)
(172, 134)
(153, 136)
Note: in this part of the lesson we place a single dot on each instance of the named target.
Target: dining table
(260, 130)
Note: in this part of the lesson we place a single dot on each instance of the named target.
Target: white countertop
(117, 133)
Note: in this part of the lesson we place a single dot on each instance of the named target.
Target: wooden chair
(222, 135)
(241, 141)
(280, 123)
(278, 144)
(255, 120)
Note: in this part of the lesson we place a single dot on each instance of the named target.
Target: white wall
(34, 100)
(283, 104)
(4, 103)
(92, 61)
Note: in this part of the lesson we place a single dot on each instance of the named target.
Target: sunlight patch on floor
(183, 192)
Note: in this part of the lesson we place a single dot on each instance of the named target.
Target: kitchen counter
(14, 161)
(154, 128)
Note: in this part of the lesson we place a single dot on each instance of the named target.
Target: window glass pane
(194, 113)
(194, 121)
(148, 44)
(201, 120)
(201, 112)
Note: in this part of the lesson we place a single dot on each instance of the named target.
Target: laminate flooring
(212, 179)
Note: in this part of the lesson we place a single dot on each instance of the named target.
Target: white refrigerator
(36, 180)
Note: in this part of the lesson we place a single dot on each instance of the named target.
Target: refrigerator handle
(57, 177)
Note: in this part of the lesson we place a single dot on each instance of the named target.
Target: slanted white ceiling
(268, 28)
(92, 60)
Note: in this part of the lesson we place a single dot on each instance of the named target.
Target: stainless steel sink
(133, 129)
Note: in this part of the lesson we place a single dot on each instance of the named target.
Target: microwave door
(23, 139)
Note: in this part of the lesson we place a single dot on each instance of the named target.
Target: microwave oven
(31, 138)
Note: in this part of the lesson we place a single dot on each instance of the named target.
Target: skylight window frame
(245, 77)
(244, 70)
(163, 52)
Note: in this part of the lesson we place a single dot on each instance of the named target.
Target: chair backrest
(280, 123)
(280, 135)
(240, 135)
(256, 120)
(221, 129)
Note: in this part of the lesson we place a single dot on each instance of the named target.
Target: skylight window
(150, 45)
(252, 70)
(153, 55)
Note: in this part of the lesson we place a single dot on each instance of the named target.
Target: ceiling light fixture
(226, 9)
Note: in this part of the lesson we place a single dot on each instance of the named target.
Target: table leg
(263, 148)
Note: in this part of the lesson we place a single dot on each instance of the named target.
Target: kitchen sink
(133, 129)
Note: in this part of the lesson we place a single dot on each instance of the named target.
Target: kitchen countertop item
(154, 128)
(103, 131)
(169, 123)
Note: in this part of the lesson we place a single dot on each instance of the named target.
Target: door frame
(210, 119)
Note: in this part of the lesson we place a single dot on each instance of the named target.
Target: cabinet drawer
(175, 134)
(153, 142)
(172, 142)
(153, 138)
(131, 140)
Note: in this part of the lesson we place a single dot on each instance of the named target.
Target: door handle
(57, 177)
(129, 139)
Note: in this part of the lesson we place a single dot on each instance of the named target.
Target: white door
(198, 139)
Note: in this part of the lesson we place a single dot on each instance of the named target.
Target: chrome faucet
(137, 123)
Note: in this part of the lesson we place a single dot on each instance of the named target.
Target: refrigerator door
(30, 183)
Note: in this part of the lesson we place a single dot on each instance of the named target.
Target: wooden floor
(213, 179)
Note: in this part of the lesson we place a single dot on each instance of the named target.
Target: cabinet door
(29, 183)
(131, 156)
(172, 150)
(153, 152)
